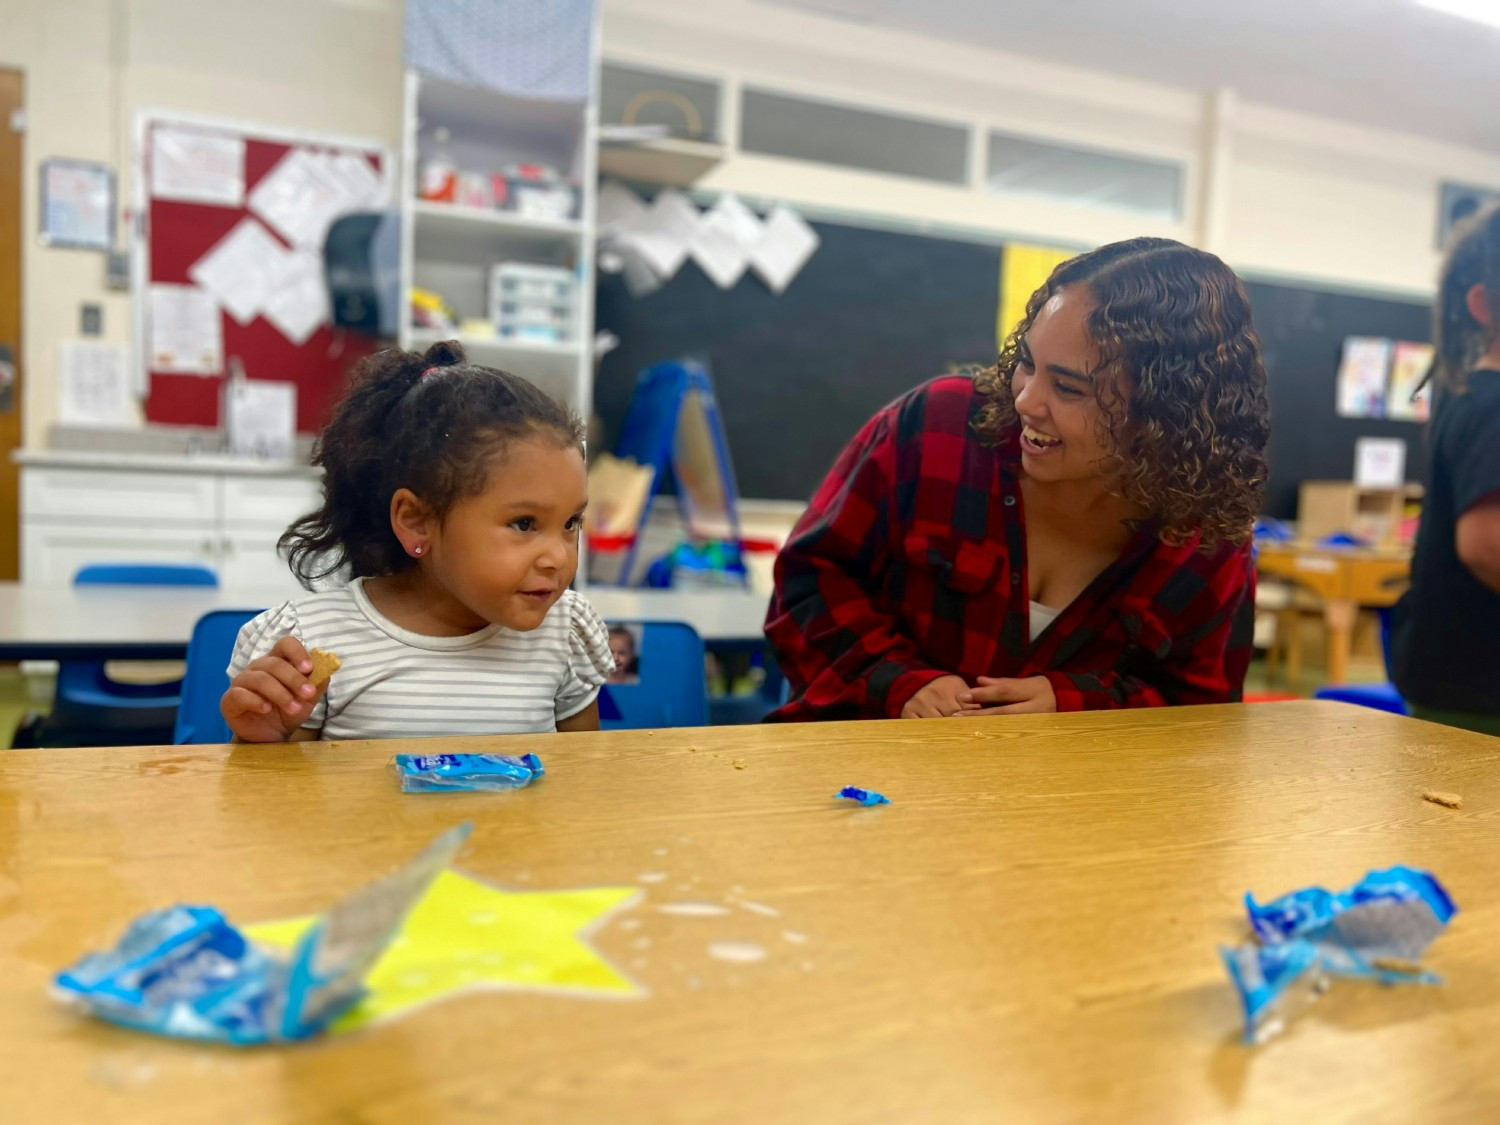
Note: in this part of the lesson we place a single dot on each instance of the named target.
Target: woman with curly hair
(1066, 530)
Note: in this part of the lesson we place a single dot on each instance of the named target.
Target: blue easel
(674, 426)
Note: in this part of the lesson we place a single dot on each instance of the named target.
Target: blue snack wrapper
(1377, 929)
(448, 773)
(863, 796)
(186, 972)
(1395, 913)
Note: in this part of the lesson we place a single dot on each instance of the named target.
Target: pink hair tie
(428, 372)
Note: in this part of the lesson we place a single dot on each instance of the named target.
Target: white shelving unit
(450, 249)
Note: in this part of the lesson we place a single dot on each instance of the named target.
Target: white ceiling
(1389, 63)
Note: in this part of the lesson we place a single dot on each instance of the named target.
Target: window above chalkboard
(687, 108)
(1084, 177)
(780, 124)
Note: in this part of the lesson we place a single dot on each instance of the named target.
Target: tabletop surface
(1027, 932)
(39, 615)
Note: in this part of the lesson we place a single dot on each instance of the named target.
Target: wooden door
(10, 319)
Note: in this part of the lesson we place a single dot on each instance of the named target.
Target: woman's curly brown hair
(1187, 427)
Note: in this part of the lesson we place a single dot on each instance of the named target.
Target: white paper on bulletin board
(187, 334)
(195, 166)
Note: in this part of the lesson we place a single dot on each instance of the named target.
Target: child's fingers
(243, 701)
(290, 649)
(267, 686)
(293, 680)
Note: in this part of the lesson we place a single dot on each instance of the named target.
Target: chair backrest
(198, 717)
(145, 574)
(672, 690)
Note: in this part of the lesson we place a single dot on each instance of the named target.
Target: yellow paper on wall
(1023, 270)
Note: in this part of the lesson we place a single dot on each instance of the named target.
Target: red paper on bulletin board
(229, 262)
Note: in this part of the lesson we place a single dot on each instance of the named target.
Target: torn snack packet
(1395, 913)
(863, 796)
(1377, 929)
(186, 972)
(448, 773)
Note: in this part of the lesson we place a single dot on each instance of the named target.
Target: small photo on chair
(625, 647)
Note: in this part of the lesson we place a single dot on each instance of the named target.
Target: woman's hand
(1031, 696)
(938, 700)
(270, 699)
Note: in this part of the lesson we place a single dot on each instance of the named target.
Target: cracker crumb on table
(1447, 800)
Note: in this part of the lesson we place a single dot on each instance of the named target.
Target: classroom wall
(1281, 195)
(318, 65)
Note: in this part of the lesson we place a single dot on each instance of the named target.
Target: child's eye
(575, 524)
(525, 523)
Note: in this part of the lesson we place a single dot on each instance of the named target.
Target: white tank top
(1041, 617)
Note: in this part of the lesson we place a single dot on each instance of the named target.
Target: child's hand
(273, 695)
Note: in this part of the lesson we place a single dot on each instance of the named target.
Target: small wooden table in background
(1345, 578)
(1027, 933)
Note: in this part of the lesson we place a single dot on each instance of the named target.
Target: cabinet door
(250, 561)
(268, 502)
(118, 496)
(54, 552)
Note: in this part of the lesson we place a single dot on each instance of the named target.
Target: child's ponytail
(431, 423)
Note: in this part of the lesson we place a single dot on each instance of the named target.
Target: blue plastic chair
(198, 717)
(89, 708)
(672, 691)
(1378, 697)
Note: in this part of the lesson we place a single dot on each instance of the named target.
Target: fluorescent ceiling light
(1481, 11)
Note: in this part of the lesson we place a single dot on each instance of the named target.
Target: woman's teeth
(1036, 437)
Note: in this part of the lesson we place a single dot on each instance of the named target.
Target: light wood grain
(1026, 933)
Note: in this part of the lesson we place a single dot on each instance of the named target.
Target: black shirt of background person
(1445, 650)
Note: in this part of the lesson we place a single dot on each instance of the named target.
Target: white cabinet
(75, 515)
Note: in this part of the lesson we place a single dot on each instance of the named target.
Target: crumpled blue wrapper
(450, 773)
(863, 796)
(1378, 929)
(186, 972)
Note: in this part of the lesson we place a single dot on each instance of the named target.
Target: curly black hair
(433, 423)
(1187, 427)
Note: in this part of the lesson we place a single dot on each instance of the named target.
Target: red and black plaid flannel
(910, 564)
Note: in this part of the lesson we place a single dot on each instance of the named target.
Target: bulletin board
(200, 182)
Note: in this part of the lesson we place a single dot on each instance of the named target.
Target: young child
(622, 648)
(1445, 657)
(453, 495)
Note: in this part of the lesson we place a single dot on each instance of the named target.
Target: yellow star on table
(465, 934)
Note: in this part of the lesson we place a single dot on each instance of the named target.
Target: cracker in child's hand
(325, 664)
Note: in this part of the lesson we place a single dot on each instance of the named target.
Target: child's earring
(417, 550)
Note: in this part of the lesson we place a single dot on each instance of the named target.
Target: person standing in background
(1445, 644)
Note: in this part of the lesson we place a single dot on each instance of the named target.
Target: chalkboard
(1302, 337)
(876, 312)
(871, 315)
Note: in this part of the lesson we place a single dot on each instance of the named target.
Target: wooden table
(1345, 578)
(1027, 933)
(57, 622)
